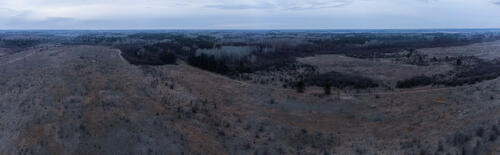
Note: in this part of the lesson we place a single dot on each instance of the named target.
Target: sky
(248, 14)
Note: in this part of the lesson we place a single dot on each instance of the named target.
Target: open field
(486, 51)
(380, 69)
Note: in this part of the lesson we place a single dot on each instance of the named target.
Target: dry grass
(379, 69)
(486, 51)
(123, 108)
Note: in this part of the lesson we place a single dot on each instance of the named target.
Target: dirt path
(120, 55)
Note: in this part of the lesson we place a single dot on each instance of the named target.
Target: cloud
(280, 4)
(11, 13)
(6, 10)
(496, 2)
(319, 4)
(427, 0)
(242, 6)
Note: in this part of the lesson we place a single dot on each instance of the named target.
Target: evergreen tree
(301, 86)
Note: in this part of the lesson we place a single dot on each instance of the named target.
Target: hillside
(89, 100)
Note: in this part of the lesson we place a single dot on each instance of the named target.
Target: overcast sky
(248, 14)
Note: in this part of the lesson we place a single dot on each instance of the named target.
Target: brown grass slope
(87, 100)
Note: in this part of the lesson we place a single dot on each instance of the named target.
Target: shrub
(327, 89)
(415, 82)
(300, 86)
(340, 80)
(479, 73)
(459, 62)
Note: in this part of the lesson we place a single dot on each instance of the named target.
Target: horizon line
(208, 29)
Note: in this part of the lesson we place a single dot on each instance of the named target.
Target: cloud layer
(496, 2)
(247, 14)
(280, 4)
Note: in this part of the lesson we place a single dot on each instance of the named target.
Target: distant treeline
(18, 43)
(367, 45)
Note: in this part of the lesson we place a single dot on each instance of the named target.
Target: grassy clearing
(383, 70)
